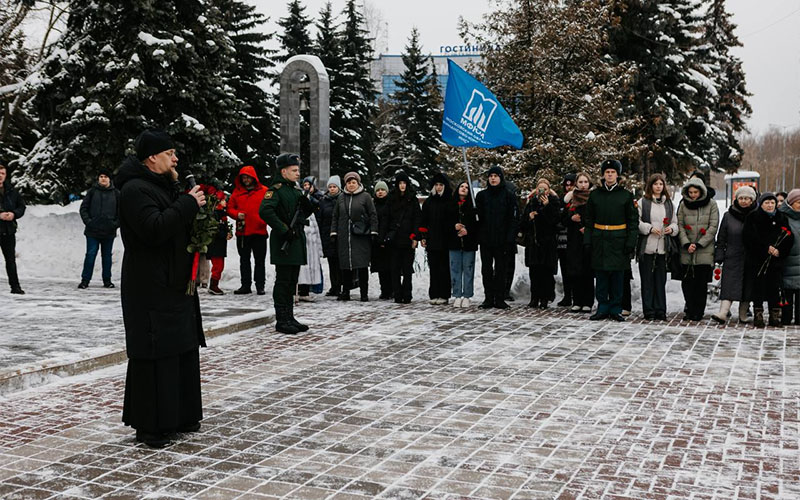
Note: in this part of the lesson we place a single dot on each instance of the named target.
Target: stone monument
(307, 73)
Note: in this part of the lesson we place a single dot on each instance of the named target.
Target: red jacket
(247, 202)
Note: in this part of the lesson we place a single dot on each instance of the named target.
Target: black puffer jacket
(10, 201)
(155, 222)
(401, 226)
(324, 220)
(463, 212)
(100, 211)
(497, 215)
(434, 227)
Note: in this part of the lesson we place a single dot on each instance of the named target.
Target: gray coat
(791, 266)
(730, 252)
(354, 251)
(699, 214)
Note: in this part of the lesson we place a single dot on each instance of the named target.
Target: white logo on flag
(479, 110)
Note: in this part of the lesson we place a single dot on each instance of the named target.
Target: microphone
(190, 180)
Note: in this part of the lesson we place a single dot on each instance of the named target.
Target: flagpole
(469, 181)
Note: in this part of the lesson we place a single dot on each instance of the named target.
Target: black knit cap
(104, 171)
(495, 169)
(152, 142)
(612, 164)
(287, 160)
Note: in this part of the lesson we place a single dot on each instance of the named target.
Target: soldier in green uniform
(285, 209)
(611, 229)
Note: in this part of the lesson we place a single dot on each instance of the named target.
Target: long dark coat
(462, 211)
(760, 232)
(354, 250)
(578, 257)
(611, 249)
(155, 222)
(401, 226)
(730, 252)
(324, 219)
(434, 221)
(497, 214)
(380, 261)
(791, 267)
(541, 233)
(100, 212)
(11, 201)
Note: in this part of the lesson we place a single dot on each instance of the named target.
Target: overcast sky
(767, 28)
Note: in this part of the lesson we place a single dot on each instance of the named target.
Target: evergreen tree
(294, 35)
(412, 134)
(120, 69)
(257, 140)
(357, 91)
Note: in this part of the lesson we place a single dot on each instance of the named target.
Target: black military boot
(300, 326)
(283, 321)
(775, 317)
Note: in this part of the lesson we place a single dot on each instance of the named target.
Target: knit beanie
(152, 142)
(336, 181)
(104, 171)
(381, 185)
(767, 196)
(352, 175)
(793, 196)
(495, 169)
(746, 192)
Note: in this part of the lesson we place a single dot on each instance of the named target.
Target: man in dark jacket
(497, 215)
(163, 327)
(285, 210)
(611, 230)
(12, 207)
(100, 214)
(251, 231)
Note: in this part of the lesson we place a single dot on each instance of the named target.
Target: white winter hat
(746, 192)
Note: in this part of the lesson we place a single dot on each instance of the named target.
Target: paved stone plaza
(420, 401)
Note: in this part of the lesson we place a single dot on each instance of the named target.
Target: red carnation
(687, 227)
(572, 209)
(665, 221)
(703, 231)
(786, 230)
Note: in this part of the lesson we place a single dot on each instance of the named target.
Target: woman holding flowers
(767, 240)
(698, 218)
(656, 224)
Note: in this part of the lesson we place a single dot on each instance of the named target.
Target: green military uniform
(278, 208)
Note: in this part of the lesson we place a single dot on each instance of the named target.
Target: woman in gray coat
(354, 226)
(791, 268)
(729, 252)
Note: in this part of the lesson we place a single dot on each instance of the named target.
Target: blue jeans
(462, 273)
(92, 245)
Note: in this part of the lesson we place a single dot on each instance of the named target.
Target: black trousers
(363, 280)
(494, 262)
(695, 289)
(385, 279)
(255, 244)
(543, 283)
(653, 273)
(766, 288)
(335, 274)
(626, 291)
(792, 307)
(285, 285)
(402, 270)
(567, 280)
(439, 265)
(609, 291)
(163, 394)
(8, 244)
(583, 288)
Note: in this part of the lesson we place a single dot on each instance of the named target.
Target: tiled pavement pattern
(384, 401)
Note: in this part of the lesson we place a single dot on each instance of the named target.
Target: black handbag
(673, 250)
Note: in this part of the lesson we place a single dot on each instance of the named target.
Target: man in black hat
(497, 212)
(285, 209)
(100, 215)
(12, 207)
(163, 327)
(612, 226)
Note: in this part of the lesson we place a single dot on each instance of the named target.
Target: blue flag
(473, 116)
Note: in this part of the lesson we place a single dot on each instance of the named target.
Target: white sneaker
(444, 302)
(457, 302)
(465, 302)
(626, 313)
(433, 301)
(586, 309)
(575, 309)
(307, 298)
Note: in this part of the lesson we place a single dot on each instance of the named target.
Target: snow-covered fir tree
(357, 93)
(546, 63)
(411, 132)
(257, 140)
(293, 33)
(121, 68)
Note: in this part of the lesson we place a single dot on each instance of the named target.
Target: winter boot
(214, 289)
(758, 317)
(722, 315)
(300, 326)
(344, 296)
(744, 308)
(775, 317)
(83, 285)
(283, 320)
(243, 290)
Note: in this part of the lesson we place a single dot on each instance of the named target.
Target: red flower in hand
(665, 221)
(786, 230)
(703, 231)
(572, 209)
(687, 227)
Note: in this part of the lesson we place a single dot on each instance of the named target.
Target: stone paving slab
(419, 401)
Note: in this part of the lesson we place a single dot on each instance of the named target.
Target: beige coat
(700, 214)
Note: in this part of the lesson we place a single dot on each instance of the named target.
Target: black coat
(541, 232)
(155, 222)
(324, 219)
(100, 212)
(219, 245)
(380, 253)
(11, 201)
(760, 232)
(578, 257)
(401, 226)
(434, 227)
(462, 212)
(497, 215)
